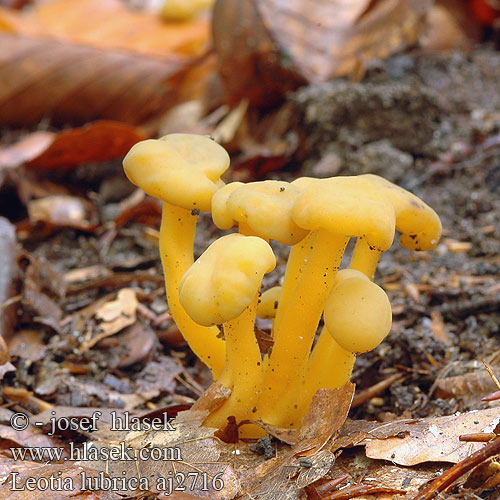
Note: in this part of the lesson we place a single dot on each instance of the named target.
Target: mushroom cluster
(215, 300)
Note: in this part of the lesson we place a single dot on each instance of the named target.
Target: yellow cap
(347, 206)
(223, 282)
(264, 206)
(357, 313)
(181, 169)
(419, 224)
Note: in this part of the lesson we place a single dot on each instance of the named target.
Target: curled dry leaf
(41, 474)
(470, 387)
(432, 439)
(118, 314)
(95, 142)
(76, 83)
(28, 344)
(191, 449)
(274, 45)
(133, 345)
(309, 459)
(25, 149)
(329, 409)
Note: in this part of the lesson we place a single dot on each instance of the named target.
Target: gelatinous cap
(264, 206)
(419, 225)
(223, 282)
(349, 206)
(357, 312)
(180, 169)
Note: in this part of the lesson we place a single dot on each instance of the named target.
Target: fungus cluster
(221, 291)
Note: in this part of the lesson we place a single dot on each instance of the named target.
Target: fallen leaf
(439, 328)
(310, 458)
(41, 283)
(188, 448)
(4, 351)
(77, 83)
(117, 314)
(95, 142)
(133, 345)
(470, 387)
(87, 274)
(25, 149)
(268, 47)
(433, 439)
(41, 473)
(327, 414)
(28, 344)
(6, 368)
(29, 438)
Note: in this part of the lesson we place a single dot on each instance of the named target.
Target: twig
(492, 375)
(453, 473)
(372, 391)
(361, 489)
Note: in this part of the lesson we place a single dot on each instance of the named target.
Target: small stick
(329, 486)
(492, 375)
(480, 437)
(372, 391)
(494, 396)
(361, 489)
(453, 473)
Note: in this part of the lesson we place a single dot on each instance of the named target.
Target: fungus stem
(243, 369)
(177, 231)
(294, 333)
(297, 261)
(364, 258)
(329, 366)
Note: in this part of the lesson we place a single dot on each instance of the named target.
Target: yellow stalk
(365, 258)
(244, 363)
(177, 231)
(294, 333)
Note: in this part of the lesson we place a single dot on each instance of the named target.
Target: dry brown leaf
(4, 351)
(77, 83)
(432, 439)
(118, 314)
(439, 328)
(28, 438)
(284, 477)
(87, 274)
(41, 473)
(329, 409)
(133, 345)
(95, 142)
(191, 448)
(28, 344)
(25, 149)
(266, 47)
(470, 387)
